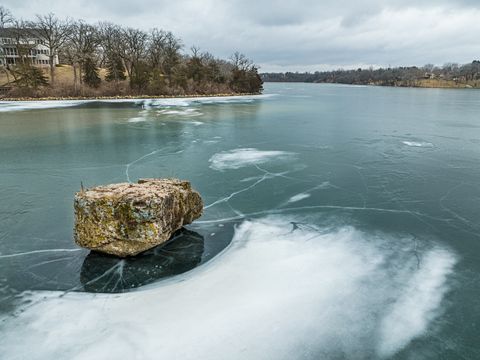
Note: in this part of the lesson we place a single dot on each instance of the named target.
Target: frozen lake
(340, 222)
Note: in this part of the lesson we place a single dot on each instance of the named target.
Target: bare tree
(23, 40)
(54, 32)
(82, 44)
(134, 46)
(69, 54)
(240, 61)
(110, 38)
(23, 46)
(429, 67)
(156, 48)
(172, 54)
(164, 51)
(111, 50)
(6, 17)
(215, 68)
(195, 51)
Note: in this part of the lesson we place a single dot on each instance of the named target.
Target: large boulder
(125, 219)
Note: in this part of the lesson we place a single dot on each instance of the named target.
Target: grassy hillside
(64, 75)
(438, 83)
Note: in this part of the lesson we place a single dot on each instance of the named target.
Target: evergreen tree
(246, 81)
(140, 76)
(157, 84)
(115, 70)
(179, 77)
(255, 82)
(90, 73)
(213, 72)
(195, 69)
(28, 76)
(245, 77)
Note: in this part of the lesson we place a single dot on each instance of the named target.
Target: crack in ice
(37, 252)
(127, 166)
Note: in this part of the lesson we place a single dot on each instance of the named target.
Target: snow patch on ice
(181, 112)
(137, 119)
(417, 143)
(298, 197)
(204, 100)
(418, 304)
(6, 106)
(284, 289)
(238, 158)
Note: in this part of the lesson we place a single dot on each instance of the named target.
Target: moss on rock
(125, 219)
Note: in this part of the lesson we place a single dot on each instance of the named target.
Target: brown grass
(438, 83)
(63, 74)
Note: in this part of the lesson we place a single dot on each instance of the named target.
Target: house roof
(14, 32)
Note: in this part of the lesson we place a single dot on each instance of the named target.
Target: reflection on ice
(102, 273)
(284, 289)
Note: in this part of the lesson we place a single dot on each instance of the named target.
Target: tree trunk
(75, 80)
(52, 69)
(129, 70)
(8, 76)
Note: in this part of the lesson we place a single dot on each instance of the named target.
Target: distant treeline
(110, 59)
(449, 75)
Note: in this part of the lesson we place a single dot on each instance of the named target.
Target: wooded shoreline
(420, 85)
(450, 76)
(51, 57)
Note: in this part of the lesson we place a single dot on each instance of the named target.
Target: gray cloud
(301, 35)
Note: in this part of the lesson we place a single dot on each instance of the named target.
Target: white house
(32, 46)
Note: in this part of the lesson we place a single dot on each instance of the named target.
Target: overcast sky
(297, 35)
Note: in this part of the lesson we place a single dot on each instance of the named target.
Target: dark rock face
(126, 219)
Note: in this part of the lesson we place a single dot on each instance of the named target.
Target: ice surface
(284, 289)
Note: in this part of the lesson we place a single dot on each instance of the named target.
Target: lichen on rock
(125, 219)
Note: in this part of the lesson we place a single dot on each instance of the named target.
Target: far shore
(424, 85)
(124, 97)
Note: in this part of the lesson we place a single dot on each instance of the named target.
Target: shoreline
(465, 87)
(126, 97)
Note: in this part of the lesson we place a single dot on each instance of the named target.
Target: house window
(11, 51)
